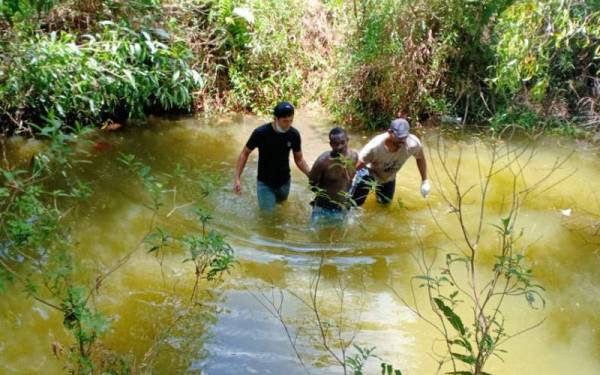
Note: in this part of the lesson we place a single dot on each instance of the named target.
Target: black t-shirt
(274, 153)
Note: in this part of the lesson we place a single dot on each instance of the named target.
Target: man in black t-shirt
(274, 141)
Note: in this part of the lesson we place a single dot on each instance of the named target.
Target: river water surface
(365, 267)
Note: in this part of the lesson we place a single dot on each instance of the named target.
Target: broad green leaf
(454, 319)
(151, 46)
(464, 343)
(469, 359)
(130, 78)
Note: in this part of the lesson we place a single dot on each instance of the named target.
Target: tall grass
(493, 62)
(262, 51)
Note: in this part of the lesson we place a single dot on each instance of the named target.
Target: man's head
(338, 140)
(283, 114)
(398, 131)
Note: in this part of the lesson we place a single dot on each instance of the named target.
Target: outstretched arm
(241, 163)
(365, 156)
(421, 165)
(301, 163)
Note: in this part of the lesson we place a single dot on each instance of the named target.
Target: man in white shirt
(382, 158)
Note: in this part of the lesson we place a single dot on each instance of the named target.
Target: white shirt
(383, 163)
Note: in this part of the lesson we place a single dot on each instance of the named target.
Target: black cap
(283, 109)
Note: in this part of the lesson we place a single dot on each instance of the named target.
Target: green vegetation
(109, 70)
(469, 313)
(127, 59)
(256, 52)
(66, 65)
(546, 61)
(524, 63)
(494, 63)
(118, 73)
(265, 61)
(37, 253)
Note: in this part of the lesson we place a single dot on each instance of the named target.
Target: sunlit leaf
(454, 319)
(469, 359)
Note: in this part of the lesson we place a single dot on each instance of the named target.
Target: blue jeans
(327, 216)
(269, 196)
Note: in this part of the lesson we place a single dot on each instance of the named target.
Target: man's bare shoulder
(352, 154)
(323, 158)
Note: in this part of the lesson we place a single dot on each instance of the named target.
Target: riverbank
(73, 63)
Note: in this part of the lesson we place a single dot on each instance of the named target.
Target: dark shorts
(384, 192)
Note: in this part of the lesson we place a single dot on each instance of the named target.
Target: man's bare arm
(355, 160)
(316, 172)
(421, 165)
(301, 163)
(365, 156)
(241, 163)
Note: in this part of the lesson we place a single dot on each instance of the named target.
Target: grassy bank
(494, 63)
(531, 64)
(86, 63)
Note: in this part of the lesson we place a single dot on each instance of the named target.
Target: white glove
(425, 188)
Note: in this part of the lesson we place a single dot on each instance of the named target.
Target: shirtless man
(331, 176)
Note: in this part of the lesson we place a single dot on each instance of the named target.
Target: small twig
(100, 279)
(521, 332)
(178, 207)
(277, 313)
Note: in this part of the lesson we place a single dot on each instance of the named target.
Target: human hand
(425, 188)
(237, 186)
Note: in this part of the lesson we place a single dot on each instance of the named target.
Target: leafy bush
(469, 59)
(396, 60)
(547, 54)
(251, 55)
(22, 10)
(265, 60)
(119, 72)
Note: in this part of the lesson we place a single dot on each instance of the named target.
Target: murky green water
(232, 332)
